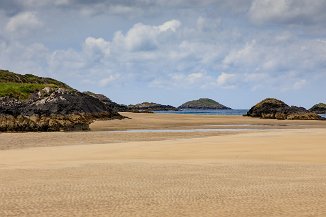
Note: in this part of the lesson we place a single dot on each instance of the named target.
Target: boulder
(271, 108)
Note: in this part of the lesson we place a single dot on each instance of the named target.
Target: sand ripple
(151, 188)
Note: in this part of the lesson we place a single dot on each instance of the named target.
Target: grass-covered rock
(319, 108)
(202, 103)
(32, 103)
(150, 107)
(271, 108)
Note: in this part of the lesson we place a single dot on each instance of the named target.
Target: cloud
(226, 80)
(299, 12)
(108, 80)
(245, 55)
(23, 23)
(96, 47)
(182, 80)
(213, 45)
(143, 37)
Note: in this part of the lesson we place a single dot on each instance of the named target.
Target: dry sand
(275, 172)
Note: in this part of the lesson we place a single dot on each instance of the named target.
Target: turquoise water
(208, 112)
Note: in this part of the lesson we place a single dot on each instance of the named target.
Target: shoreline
(152, 127)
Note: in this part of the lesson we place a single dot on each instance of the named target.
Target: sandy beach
(167, 165)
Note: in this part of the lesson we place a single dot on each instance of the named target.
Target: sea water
(207, 112)
(323, 115)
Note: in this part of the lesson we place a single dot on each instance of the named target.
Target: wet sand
(116, 131)
(272, 172)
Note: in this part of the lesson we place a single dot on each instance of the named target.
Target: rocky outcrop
(203, 103)
(271, 108)
(319, 108)
(21, 123)
(150, 107)
(55, 107)
(113, 105)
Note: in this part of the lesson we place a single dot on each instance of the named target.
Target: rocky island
(150, 107)
(271, 108)
(32, 103)
(202, 103)
(319, 108)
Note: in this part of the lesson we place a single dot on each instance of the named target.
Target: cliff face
(276, 109)
(319, 108)
(150, 106)
(46, 105)
(203, 103)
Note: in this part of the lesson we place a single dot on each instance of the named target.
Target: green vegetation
(204, 101)
(21, 91)
(320, 105)
(10, 77)
(22, 86)
(319, 108)
(271, 101)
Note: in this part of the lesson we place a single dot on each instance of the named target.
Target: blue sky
(236, 52)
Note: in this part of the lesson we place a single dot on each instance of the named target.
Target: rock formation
(150, 107)
(31, 103)
(276, 109)
(115, 106)
(202, 103)
(319, 108)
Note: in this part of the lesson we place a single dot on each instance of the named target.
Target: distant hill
(202, 103)
(150, 106)
(319, 108)
(32, 103)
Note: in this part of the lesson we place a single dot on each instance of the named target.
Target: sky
(236, 52)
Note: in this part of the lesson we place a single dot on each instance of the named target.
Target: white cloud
(288, 11)
(108, 80)
(23, 23)
(199, 53)
(93, 46)
(226, 80)
(143, 37)
(245, 55)
(172, 25)
(182, 80)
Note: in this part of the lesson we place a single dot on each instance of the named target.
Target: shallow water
(208, 112)
(185, 130)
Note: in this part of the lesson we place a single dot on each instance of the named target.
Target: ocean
(323, 115)
(207, 112)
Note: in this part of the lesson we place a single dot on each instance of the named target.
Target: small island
(150, 107)
(203, 103)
